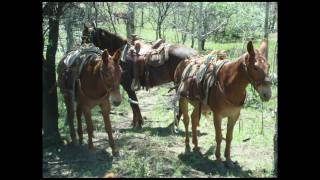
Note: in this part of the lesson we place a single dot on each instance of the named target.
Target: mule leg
(195, 122)
(87, 115)
(217, 125)
(231, 122)
(183, 105)
(70, 116)
(137, 118)
(105, 108)
(80, 131)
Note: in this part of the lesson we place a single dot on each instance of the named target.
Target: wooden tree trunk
(50, 99)
(130, 19)
(109, 9)
(266, 29)
(275, 141)
(88, 12)
(184, 35)
(200, 26)
(203, 41)
(192, 32)
(95, 13)
(141, 23)
(70, 40)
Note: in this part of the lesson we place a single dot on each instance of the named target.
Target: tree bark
(111, 19)
(68, 28)
(141, 24)
(275, 141)
(200, 26)
(95, 14)
(192, 32)
(130, 19)
(266, 29)
(50, 99)
(184, 35)
(203, 41)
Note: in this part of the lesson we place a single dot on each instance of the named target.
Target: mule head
(257, 70)
(111, 72)
(87, 33)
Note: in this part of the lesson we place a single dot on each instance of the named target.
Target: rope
(262, 126)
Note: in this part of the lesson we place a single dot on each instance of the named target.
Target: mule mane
(111, 35)
(98, 65)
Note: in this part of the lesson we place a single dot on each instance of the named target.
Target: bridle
(255, 83)
(101, 73)
(90, 35)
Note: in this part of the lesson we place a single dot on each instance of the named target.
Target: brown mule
(98, 80)
(227, 97)
(156, 75)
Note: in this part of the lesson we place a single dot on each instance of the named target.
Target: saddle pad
(211, 79)
(71, 57)
(203, 68)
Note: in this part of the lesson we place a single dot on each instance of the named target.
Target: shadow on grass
(75, 161)
(212, 167)
(159, 131)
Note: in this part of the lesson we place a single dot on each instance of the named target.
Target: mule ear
(86, 25)
(117, 55)
(263, 46)
(105, 56)
(250, 48)
(93, 25)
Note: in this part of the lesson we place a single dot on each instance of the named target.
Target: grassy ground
(154, 151)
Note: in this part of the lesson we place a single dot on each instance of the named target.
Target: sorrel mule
(99, 79)
(226, 97)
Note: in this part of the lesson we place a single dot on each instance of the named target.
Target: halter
(103, 79)
(255, 83)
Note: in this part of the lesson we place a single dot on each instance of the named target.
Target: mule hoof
(115, 153)
(197, 150)
(187, 149)
(91, 148)
(229, 164)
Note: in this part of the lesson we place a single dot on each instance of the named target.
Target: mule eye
(255, 68)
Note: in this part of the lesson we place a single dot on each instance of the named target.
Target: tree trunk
(111, 18)
(200, 26)
(50, 99)
(275, 141)
(184, 35)
(159, 30)
(130, 19)
(88, 11)
(203, 41)
(141, 24)
(95, 14)
(70, 40)
(266, 30)
(192, 32)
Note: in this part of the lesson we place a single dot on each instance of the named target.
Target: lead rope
(262, 132)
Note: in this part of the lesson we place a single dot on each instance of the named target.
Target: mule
(157, 75)
(98, 81)
(226, 97)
